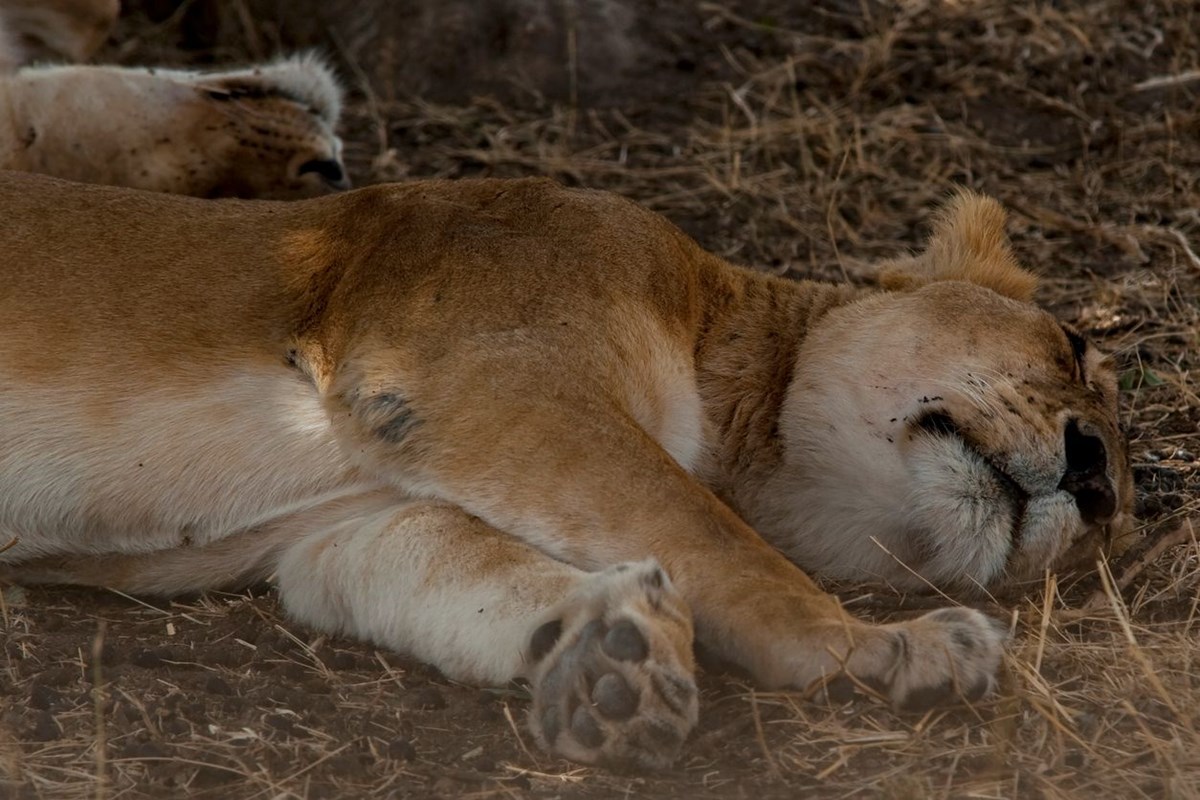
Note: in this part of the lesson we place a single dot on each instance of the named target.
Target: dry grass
(822, 146)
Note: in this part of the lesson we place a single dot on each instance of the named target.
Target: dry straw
(821, 145)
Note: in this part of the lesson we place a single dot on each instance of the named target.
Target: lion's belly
(132, 470)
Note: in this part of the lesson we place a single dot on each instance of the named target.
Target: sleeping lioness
(523, 431)
(267, 130)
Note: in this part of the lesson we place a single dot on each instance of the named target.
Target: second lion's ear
(968, 243)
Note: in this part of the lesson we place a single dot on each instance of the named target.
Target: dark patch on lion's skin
(396, 419)
(387, 415)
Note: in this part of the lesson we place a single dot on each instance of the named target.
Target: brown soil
(806, 138)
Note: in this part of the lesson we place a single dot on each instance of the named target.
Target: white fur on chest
(129, 470)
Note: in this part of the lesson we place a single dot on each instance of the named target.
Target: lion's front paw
(612, 671)
(947, 656)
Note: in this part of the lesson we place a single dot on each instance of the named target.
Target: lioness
(267, 130)
(519, 430)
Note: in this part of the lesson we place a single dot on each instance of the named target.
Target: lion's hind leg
(608, 654)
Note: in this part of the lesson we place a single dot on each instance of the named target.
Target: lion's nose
(330, 170)
(1086, 477)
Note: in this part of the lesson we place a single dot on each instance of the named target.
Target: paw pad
(585, 729)
(544, 639)
(625, 642)
(611, 673)
(613, 697)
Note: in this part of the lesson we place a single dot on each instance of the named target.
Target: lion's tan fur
(968, 244)
(409, 401)
(263, 131)
(253, 132)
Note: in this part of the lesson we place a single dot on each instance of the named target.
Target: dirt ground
(808, 139)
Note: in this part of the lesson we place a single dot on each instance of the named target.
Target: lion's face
(947, 434)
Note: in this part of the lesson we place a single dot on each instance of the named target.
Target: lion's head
(946, 431)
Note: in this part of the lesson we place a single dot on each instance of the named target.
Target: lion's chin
(1052, 527)
(971, 534)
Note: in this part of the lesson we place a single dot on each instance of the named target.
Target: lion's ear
(968, 244)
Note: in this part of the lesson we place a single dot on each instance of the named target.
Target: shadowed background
(808, 139)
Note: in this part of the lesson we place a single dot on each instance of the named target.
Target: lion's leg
(577, 478)
(608, 654)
